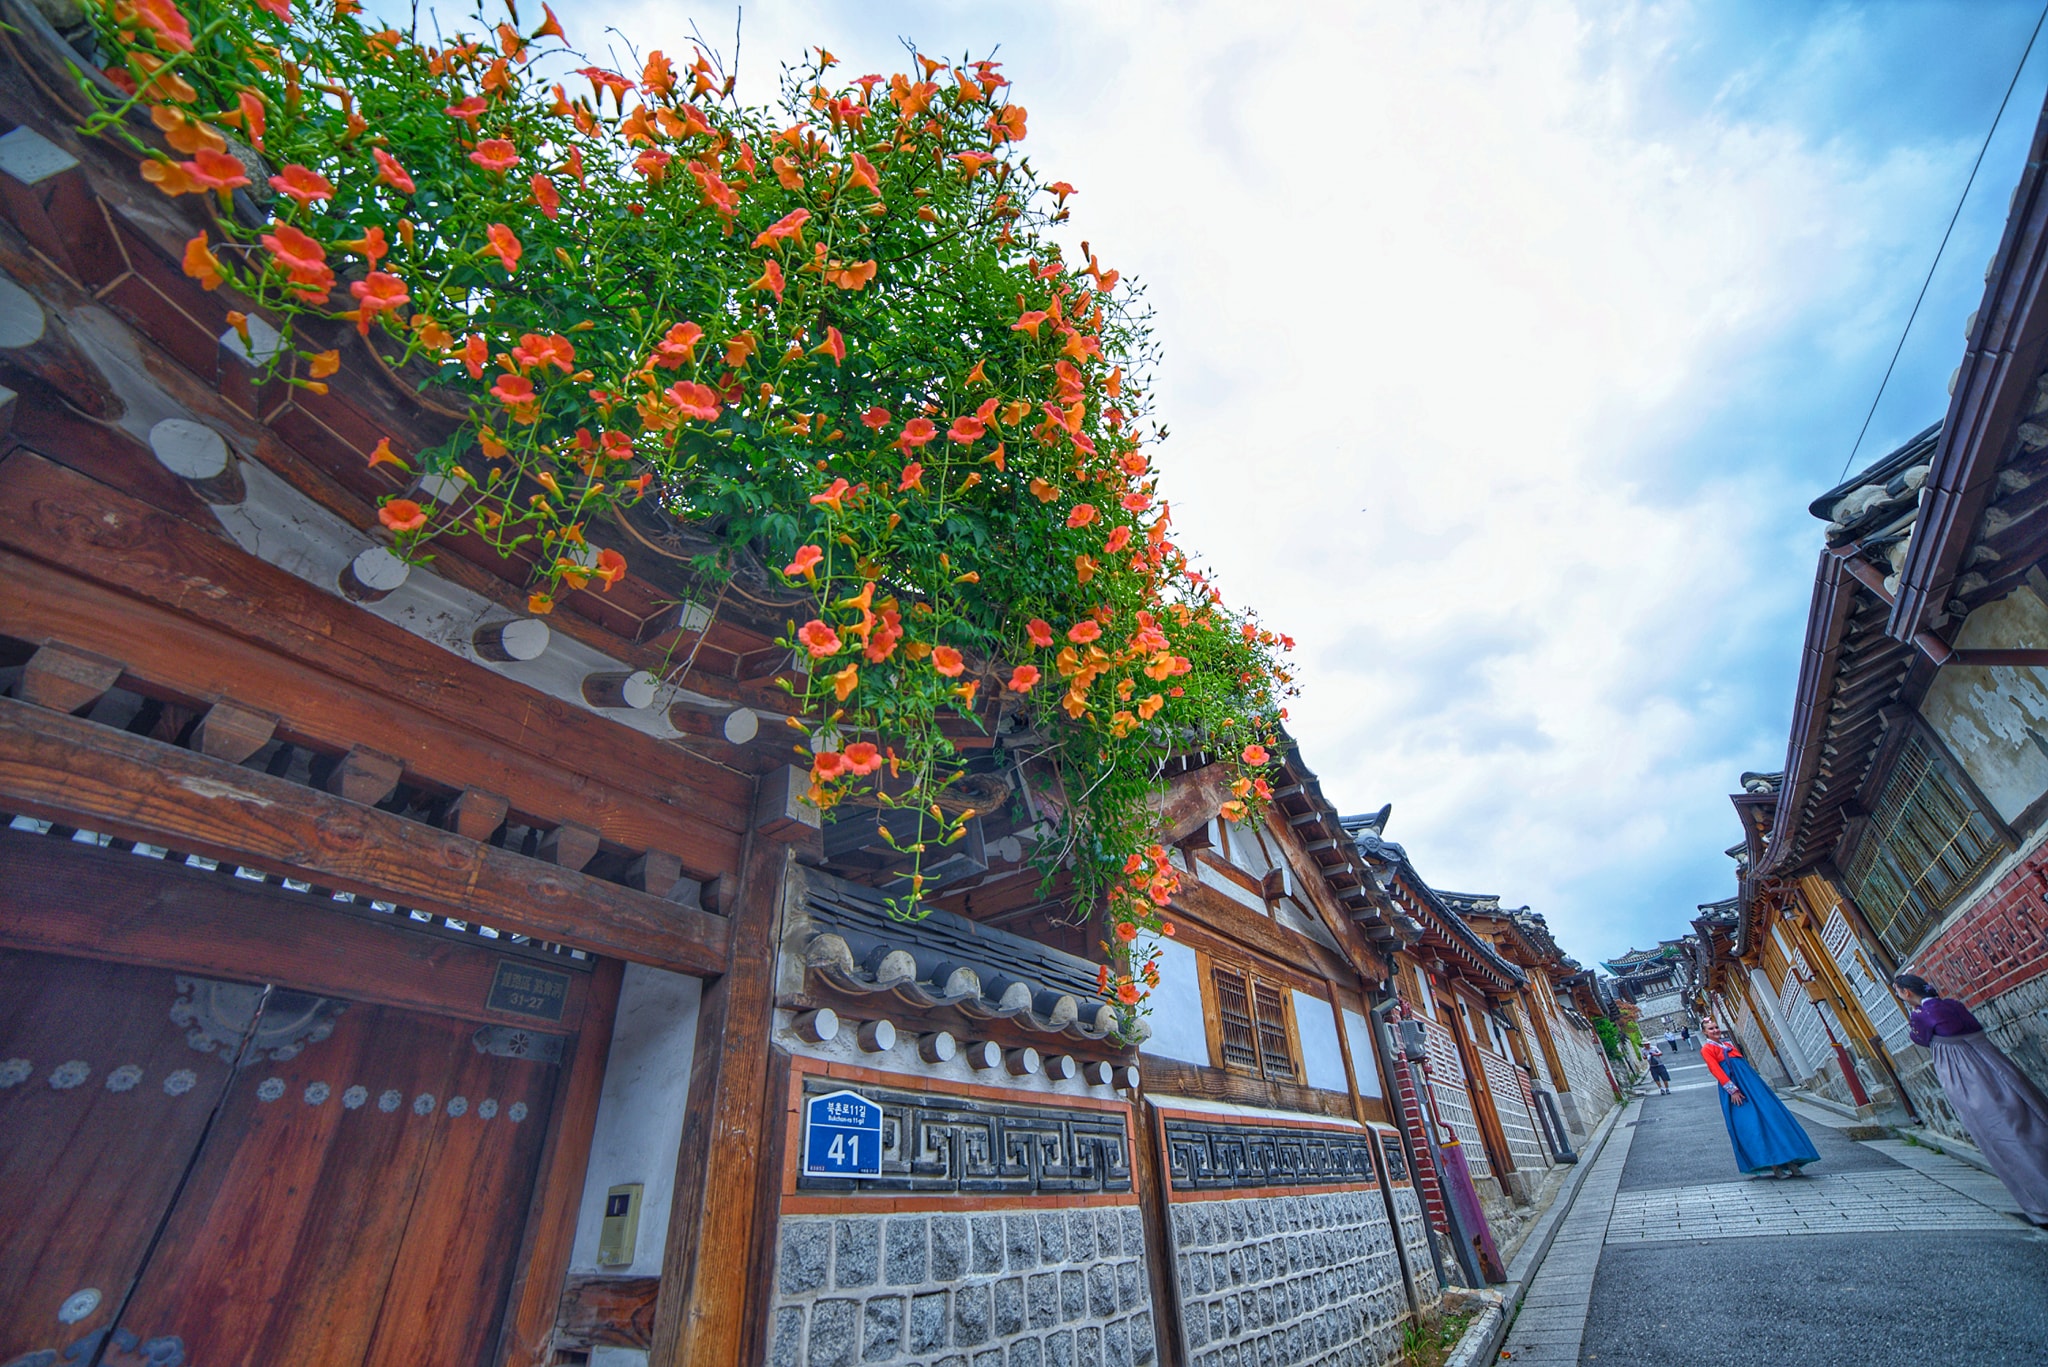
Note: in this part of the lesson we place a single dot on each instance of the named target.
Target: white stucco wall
(1322, 1057)
(640, 1114)
(1176, 1020)
(1223, 883)
(1995, 721)
(1364, 1058)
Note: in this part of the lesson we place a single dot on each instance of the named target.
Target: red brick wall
(1999, 944)
(1425, 1167)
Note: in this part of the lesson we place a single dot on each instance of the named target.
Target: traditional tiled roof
(1435, 917)
(1299, 802)
(1636, 960)
(853, 942)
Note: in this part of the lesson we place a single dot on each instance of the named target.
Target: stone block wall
(1590, 1095)
(1415, 1240)
(1274, 1281)
(986, 1288)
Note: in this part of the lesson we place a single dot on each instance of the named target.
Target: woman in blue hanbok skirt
(1768, 1140)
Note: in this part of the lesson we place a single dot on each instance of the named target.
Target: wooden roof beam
(64, 768)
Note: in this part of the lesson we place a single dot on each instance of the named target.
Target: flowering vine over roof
(838, 333)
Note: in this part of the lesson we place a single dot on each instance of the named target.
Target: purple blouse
(1940, 1016)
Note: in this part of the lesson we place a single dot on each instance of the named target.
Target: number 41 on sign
(842, 1136)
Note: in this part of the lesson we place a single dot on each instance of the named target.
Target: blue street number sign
(842, 1136)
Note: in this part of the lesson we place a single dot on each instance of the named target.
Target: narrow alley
(1669, 1257)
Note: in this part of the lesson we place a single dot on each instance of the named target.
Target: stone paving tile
(1899, 1199)
(1547, 1330)
(1729, 1271)
(1957, 1176)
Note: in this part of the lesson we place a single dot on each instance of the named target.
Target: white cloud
(1449, 321)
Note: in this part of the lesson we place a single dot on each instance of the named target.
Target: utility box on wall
(1414, 1041)
(620, 1233)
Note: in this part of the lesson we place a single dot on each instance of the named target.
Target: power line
(1995, 118)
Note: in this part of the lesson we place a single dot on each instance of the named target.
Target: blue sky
(1504, 346)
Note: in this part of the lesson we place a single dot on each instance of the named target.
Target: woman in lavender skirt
(1999, 1105)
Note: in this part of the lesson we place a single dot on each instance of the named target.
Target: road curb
(1482, 1338)
(1928, 1139)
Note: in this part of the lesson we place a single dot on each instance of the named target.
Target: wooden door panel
(236, 1273)
(102, 1105)
(327, 1187)
(449, 1285)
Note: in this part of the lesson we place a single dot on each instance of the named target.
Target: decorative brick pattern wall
(1210, 1154)
(1284, 1280)
(1994, 958)
(1511, 1103)
(1999, 944)
(994, 1288)
(934, 1143)
(1453, 1101)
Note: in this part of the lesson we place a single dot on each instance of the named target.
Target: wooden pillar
(701, 1314)
(1151, 1181)
(1539, 1018)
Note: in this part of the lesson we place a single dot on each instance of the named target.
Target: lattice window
(1871, 993)
(1274, 1048)
(1234, 1016)
(1926, 843)
(1251, 1018)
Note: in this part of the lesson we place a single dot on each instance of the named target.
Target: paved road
(1886, 1253)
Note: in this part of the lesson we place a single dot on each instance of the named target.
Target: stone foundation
(1282, 1280)
(1011, 1288)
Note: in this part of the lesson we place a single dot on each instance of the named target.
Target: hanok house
(1655, 981)
(1236, 1186)
(1287, 1185)
(1464, 1089)
(1807, 981)
(1556, 1048)
(394, 976)
(1908, 827)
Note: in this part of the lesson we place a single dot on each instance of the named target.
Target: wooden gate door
(348, 1187)
(103, 1104)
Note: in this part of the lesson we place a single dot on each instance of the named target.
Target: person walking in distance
(1658, 1072)
(1769, 1141)
(1685, 1038)
(2000, 1106)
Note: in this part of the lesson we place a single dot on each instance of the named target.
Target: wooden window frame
(1253, 980)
